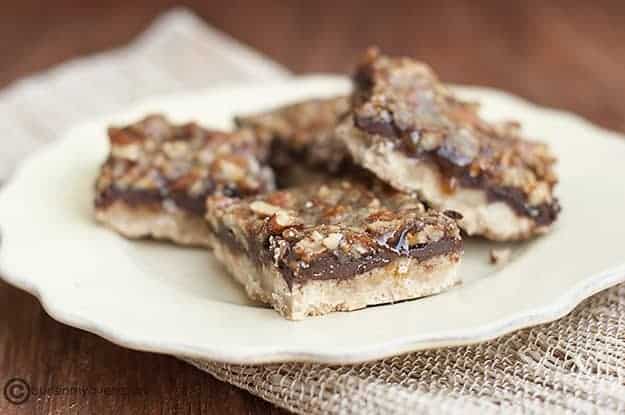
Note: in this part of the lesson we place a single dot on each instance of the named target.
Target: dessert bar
(303, 137)
(413, 133)
(158, 175)
(341, 246)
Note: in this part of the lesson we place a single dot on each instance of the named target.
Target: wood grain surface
(566, 54)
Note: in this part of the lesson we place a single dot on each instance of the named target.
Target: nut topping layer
(303, 132)
(401, 103)
(334, 231)
(154, 162)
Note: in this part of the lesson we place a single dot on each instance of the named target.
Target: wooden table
(566, 54)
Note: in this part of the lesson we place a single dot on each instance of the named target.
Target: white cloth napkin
(178, 52)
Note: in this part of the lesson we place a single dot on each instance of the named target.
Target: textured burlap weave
(576, 364)
(573, 365)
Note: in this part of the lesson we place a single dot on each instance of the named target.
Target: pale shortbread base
(493, 220)
(403, 279)
(134, 222)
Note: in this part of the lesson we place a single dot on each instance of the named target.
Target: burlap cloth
(573, 365)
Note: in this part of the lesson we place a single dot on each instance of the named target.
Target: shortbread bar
(158, 175)
(413, 133)
(303, 136)
(340, 246)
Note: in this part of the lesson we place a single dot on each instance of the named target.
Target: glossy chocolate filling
(195, 204)
(335, 264)
(455, 165)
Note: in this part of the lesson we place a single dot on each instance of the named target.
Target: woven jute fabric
(576, 364)
(573, 365)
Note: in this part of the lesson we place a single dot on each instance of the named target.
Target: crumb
(500, 256)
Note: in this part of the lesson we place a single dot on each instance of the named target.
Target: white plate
(158, 297)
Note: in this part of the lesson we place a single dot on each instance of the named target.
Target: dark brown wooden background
(567, 54)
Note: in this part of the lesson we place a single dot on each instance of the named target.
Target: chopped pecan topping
(154, 161)
(281, 220)
(333, 240)
(263, 208)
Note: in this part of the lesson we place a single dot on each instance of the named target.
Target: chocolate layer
(542, 214)
(143, 198)
(332, 267)
(339, 267)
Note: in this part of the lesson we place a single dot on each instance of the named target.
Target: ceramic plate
(158, 297)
